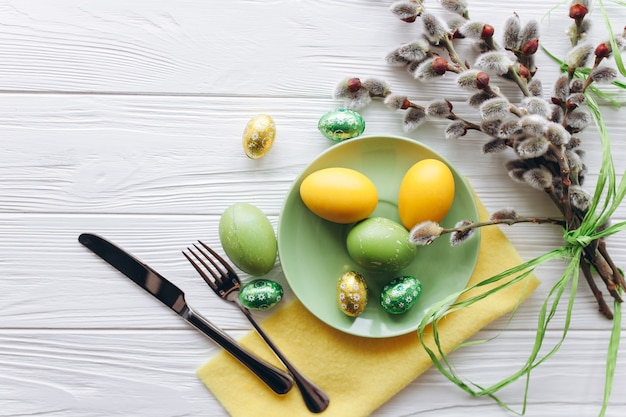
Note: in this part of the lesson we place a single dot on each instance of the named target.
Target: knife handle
(280, 382)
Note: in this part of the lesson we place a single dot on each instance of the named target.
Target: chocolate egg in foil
(258, 136)
(260, 294)
(341, 124)
(400, 294)
(352, 293)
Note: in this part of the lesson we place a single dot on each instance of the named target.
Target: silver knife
(173, 297)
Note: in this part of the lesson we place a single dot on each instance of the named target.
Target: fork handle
(315, 399)
(279, 381)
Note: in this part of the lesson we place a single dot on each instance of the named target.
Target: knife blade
(174, 298)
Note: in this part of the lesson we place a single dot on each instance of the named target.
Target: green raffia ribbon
(607, 197)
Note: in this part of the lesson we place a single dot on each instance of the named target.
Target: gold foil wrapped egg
(258, 136)
(351, 293)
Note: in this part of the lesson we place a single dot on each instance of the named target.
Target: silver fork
(222, 279)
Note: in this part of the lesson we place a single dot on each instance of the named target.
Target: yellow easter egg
(352, 293)
(426, 193)
(339, 195)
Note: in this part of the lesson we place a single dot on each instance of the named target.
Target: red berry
(482, 80)
(530, 47)
(487, 32)
(602, 50)
(578, 11)
(354, 84)
(440, 65)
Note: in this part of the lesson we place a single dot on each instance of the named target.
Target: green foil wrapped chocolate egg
(401, 294)
(258, 136)
(260, 294)
(351, 293)
(341, 124)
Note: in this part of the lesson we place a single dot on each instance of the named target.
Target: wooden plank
(52, 282)
(241, 47)
(130, 154)
(95, 373)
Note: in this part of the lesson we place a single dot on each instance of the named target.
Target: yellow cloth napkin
(358, 374)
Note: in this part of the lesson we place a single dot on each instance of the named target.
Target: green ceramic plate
(313, 252)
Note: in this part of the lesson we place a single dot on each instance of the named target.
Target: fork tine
(201, 271)
(231, 272)
(221, 274)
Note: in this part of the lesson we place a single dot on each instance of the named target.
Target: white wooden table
(125, 119)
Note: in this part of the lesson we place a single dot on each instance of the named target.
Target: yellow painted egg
(351, 293)
(426, 193)
(339, 195)
(258, 136)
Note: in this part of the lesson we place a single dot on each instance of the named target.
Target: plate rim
(332, 148)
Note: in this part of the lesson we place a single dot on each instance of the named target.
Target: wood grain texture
(65, 286)
(195, 47)
(125, 119)
(135, 154)
(101, 373)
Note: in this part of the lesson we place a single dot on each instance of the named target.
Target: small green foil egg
(401, 294)
(260, 294)
(351, 293)
(258, 136)
(341, 124)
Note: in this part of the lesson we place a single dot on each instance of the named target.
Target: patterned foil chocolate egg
(260, 294)
(258, 136)
(341, 124)
(352, 293)
(401, 294)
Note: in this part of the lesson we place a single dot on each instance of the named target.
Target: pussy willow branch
(602, 305)
(509, 222)
(557, 172)
(595, 253)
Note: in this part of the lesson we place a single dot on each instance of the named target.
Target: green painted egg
(380, 244)
(260, 294)
(401, 294)
(341, 124)
(248, 238)
(351, 293)
(258, 136)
